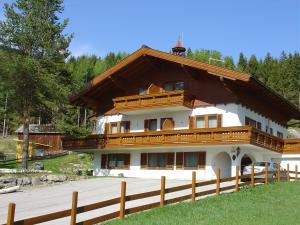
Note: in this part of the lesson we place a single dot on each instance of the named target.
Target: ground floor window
(157, 160)
(115, 161)
(190, 160)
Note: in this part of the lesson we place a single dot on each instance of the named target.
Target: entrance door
(167, 124)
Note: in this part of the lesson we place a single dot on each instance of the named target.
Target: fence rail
(252, 179)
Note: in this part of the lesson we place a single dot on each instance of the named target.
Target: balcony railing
(189, 137)
(164, 99)
(291, 146)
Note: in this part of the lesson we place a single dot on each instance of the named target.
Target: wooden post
(11, 214)
(288, 172)
(74, 208)
(266, 173)
(193, 186)
(122, 200)
(218, 181)
(278, 172)
(162, 190)
(296, 172)
(252, 175)
(237, 171)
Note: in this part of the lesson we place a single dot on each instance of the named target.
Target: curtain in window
(212, 121)
(114, 128)
(200, 122)
(153, 125)
(152, 160)
(191, 159)
(162, 160)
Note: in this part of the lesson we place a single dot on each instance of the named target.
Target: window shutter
(127, 127)
(192, 122)
(170, 160)
(219, 120)
(202, 160)
(127, 160)
(179, 160)
(144, 159)
(106, 128)
(104, 161)
(146, 125)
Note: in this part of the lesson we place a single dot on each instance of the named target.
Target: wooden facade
(190, 137)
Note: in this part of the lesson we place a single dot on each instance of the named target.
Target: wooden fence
(251, 179)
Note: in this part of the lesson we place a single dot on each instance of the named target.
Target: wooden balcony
(291, 146)
(164, 99)
(190, 137)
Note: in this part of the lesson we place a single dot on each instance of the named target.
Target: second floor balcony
(178, 99)
(186, 137)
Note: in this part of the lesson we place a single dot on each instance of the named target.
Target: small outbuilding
(44, 139)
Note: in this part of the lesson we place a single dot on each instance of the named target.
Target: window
(250, 122)
(190, 160)
(279, 134)
(115, 161)
(150, 125)
(258, 125)
(168, 87)
(179, 85)
(142, 91)
(113, 128)
(157, 160)
(200, 122)
(271, 131)
(125, 127)
(212, 121)
(206, 121)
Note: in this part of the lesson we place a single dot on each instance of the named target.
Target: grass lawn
(8, 147)
(274, 204)
(63, 164)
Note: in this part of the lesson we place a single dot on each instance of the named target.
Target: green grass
(8, 147)
(64, 164)
(274, 204)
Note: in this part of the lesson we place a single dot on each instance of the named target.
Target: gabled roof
(39, 129)
(240, 78)
(211, 69)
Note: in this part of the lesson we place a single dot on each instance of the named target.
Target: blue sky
(253, 27)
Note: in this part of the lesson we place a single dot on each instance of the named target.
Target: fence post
(252, 174)
(74, 208)
(193, 186)
(162, 190)
(218, 181)
(288, 172)
(237, 171)
(296, 172)
(266, 173)
(278, 172)
(122, 200)
(11, 213)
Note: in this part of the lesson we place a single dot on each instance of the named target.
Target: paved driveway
(43, 200)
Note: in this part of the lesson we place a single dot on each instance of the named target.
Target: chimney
(179, 49)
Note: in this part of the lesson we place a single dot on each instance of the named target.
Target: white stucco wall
(212, 162)
(181, 118)
(245, 112)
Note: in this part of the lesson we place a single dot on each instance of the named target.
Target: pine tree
(253, 66)
(33, 36)
(242, 63)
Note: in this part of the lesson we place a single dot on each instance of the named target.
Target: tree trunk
(26, 122)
